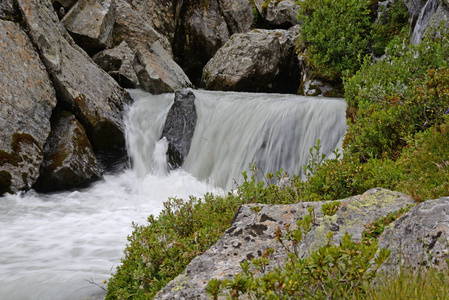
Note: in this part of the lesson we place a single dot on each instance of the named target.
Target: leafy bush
(335, 34)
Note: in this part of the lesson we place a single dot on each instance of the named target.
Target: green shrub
(160, 250)
(335, 34)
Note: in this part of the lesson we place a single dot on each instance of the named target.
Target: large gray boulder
(253, 231)
(90, 23)
(202, 30)
(420, 238)
(131, 26)
(27, 99)
(157, 72)
(69, 160)
(159, 14)
(118, 62)
(278, 14)
(87, 91)
(180, 126)
(238, 15)
(256, 61)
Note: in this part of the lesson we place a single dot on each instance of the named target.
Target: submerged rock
(69, 160)
(420, 238)
(253, 231)
(27, 99)
(88, 92)
(256, 61)
(180, 126)
(118, 62)
(90, 23)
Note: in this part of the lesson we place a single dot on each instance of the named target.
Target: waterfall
(422, 22)
(52, 245)
(271, 130)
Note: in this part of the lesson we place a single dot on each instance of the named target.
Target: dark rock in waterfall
(238, 15)
(87, 91)
(257, 61)
(27, 99)
(90, 23)
(118, 62)
(278, 14)
(159, 14)
(69, 160)
(9, 10)
(202, 30)
(419, 238)
(180, 126)
(253, 230)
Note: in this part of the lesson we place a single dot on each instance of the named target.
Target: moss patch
(5, 182)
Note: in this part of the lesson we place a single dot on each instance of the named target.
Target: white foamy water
(51, 244)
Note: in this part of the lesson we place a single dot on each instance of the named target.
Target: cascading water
(51, 244)
(271, 130)
(423, 20)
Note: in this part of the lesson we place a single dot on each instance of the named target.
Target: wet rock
(201, 32)
(118, 62)
(257, 61)
(159, 14)
(157, 72)
(253, 231)
(180, 126)
(238, 15)
(279, 14)
(88, 92)
(27, 99)
(69, 160)
(420, 238)
(90, 23)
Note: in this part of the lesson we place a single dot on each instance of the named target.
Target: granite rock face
(201, 32)
(180, 126)
(87, 91)
(256, 61)
(118, 62)
(90, 23)
(130, 26)
(27, 99)
(159, 14)
(157, 72)
(69, 160)
(253, 231)
(420, 237)
(279, 14)
(238, 15)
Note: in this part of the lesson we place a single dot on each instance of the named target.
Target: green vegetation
(397, 138)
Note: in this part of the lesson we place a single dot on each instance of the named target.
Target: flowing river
(64, 245)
